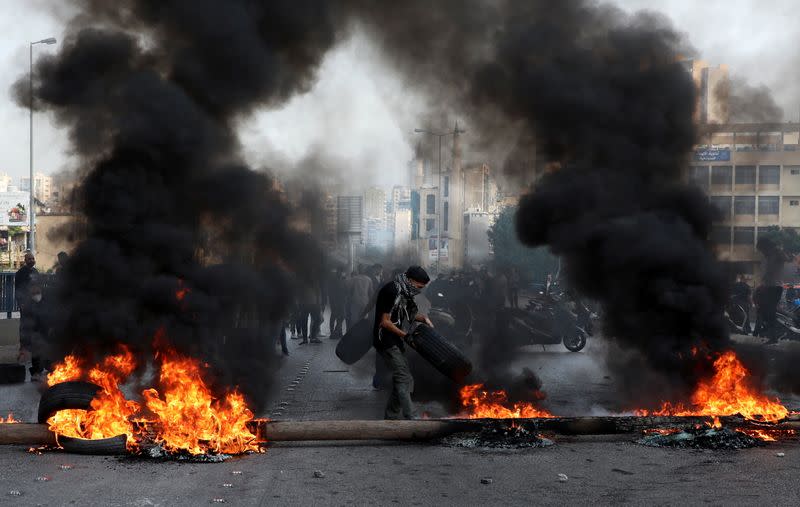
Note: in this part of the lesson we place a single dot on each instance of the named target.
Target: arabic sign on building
(14, 208)
(712, 154)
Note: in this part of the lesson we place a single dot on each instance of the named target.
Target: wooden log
(26, 434)
(425, 429)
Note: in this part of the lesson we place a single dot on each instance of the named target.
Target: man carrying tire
(395, 307)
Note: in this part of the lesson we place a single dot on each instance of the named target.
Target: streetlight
(31, 212)
(439, 206)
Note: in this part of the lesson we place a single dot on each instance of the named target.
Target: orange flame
(727, 392)
(8, 420)
(479, 403)
(187, 417)
(110, 412)
(182, 291)
(66, 371)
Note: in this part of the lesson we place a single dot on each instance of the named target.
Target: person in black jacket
(394, 309)
(34, 331)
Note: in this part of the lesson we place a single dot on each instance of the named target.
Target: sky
(360, 115)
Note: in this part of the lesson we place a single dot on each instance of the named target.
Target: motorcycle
(549, 320)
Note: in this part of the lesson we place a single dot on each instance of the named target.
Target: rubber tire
(74, 394)
(355, 343)
(12, 373)
(579, 346)
(446, 358)
(113, 446)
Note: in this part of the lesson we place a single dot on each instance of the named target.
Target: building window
(794, 202)
(698, 175)
(769, 175)
(430, 223)
(430, 204)
(744, 235)
(768, 205)
(720, 235)
(446, 217)
(745, 175)
(721, 175)
(744, 205)
(723, 204)
(446, 189)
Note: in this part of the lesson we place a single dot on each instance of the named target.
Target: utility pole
(31, 182)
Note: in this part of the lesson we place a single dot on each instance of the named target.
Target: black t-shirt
(387, 297)
(741, 290)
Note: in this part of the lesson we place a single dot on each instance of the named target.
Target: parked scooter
(548, 320)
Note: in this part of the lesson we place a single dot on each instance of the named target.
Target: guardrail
(8, 300)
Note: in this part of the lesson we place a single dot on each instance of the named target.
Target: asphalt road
(598, 472)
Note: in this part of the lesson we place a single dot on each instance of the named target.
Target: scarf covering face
(406, 287)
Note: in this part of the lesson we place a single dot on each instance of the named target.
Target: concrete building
(5, 182)
(480, 189)
(751, 173)
(375, 203)
(712, 91)
(350, 224)
(43, 186)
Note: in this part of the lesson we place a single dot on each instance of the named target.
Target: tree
(786, 241)
(532, 263)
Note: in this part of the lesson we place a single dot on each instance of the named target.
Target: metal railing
(8, 299)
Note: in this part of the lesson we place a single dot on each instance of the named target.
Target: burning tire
(113, 446)
(65, 395)
(575, 342)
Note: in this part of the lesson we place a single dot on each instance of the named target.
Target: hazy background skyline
(360, 114)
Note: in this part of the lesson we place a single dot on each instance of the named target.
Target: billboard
(14, 208)
(712, 154)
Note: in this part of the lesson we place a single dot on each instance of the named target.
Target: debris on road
(319, 474)
(780, 454)
(486, 480)
(703, 438)
(562, 477)
(15, 492)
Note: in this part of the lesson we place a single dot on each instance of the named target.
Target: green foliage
(787, 240)
(533, 263)
(15, 230)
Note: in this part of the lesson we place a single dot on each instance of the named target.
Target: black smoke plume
(150, 92)
(610, 106)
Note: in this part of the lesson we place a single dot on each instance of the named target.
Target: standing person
(740, 295)
(23, 279)
(359, 295)
(310, 308)
(61, 262)
(22, 283)
(394, 309)
(513, 287)
(33, 332)
(337, 295)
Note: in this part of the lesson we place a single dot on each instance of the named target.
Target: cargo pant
(400, 405)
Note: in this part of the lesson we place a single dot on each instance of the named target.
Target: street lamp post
(439, 205)
(31, 184)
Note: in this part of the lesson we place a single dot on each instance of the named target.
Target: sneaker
(304, 342)
(316, 340)
(285, 352)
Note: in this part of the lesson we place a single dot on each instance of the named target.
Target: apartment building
(751, 173)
